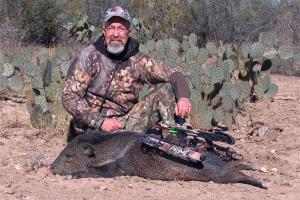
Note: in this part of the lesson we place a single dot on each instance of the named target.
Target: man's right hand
(111, 124)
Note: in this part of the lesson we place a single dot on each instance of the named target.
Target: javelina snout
(108, 155)
(73, 158)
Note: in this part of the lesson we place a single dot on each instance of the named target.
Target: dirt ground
(268, 136)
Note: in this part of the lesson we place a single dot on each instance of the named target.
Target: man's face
(116, 33)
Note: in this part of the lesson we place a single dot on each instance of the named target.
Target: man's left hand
(183, 107)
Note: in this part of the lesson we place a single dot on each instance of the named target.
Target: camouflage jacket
(96, 74)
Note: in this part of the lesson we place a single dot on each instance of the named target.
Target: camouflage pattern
(157, 105)
(89, 77)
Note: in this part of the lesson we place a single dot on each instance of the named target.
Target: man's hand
(111, 124)
(183, 107)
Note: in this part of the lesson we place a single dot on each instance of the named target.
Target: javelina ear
(88, 150)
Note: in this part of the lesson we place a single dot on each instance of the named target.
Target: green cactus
(206, 119)
(144, 49)
(3, 83)
(219, 114)
(193, 40)
(40, 119)
(297, 58)
(244, 88)
(151, 45)
(245, 49)
(8, 70)
(235, 92)
(272, 91)
(29, 69)
(208, 88)
(64, 67)
(228, 120)
(211, 48)
(217, 75)
(266, 80)
(53, 92)
(228, 103)
(42, 102)
(191, 54)
(2, 57)
(259, 89)
(256, 50)
(185, 45)
(47, 73)
(15, 82)
(63, 54)
(226, 89)
(268, 38)
(285, 52)
(229, 65)
(202, 56)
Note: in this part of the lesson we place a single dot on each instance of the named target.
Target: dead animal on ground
(99, 154)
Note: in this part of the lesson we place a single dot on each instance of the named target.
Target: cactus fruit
(15, 82)
(285, 52)
(8, 70)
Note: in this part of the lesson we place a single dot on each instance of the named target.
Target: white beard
(115, 49)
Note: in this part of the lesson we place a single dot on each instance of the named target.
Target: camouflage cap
(117, 11)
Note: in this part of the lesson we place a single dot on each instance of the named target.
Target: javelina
(99, 154)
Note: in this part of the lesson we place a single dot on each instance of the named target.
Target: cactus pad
(202, 56)
(217, 75)
(245, 48)
(285, 52)
(29, 70)
(3, 83)
(191, 53)
(193, 40)
(267, 38)
(8, 70)
(219, 114)
(15, 82)
(151, 45)
(256, 50)
(272, 91)
(228, 103)
(211, 48)
(228, 120)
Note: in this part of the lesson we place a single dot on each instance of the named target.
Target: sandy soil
(269, 136)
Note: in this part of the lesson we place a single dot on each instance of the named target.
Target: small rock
(52, 180)
(130, 185)
(103, 188)
(274, 170)
(273, 151)
(147, 189)
(18, 167)
(242, 140)
(262, 169)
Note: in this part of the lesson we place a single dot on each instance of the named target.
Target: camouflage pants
(157, 105)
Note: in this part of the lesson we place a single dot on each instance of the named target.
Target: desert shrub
(40, 21)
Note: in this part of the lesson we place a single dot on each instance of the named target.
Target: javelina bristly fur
(99, 154)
